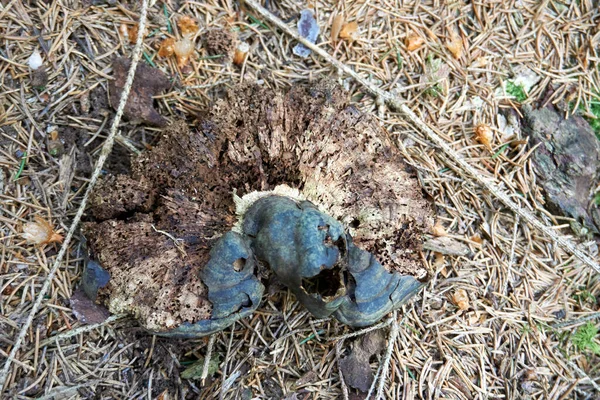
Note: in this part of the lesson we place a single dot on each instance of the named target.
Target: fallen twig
(106, 149)
(397, 104)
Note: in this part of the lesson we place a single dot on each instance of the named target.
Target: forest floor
(515, 318)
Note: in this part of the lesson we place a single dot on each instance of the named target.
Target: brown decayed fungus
(251, 142)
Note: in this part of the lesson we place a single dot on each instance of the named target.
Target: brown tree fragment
(85, 310)
(219, 42)
(567, 162)
(253, 139)
(356, 367)
(121, 195)
(148, 82)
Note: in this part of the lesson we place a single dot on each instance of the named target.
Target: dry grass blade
(106, 148)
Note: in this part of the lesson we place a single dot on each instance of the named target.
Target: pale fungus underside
(299, 184)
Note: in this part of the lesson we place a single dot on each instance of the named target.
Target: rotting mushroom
(298, 183)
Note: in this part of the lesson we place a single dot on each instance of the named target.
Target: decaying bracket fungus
(301, 184)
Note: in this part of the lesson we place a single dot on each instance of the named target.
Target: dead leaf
(40, 232)
(133, 33)
(356, 367)
(309, 377)
(148, 82)
(438, 229)
(85, 310)
(461, 299)
(455, 45)
(476, 239)
(166, 48)
(129, 32)
(439, 260)
(336, 26)
(484, 135)
(446, 245)
(349, 30)
(413, 42)
(183, 50)
(187, 26)
(480, 62)
(194, 371)
(241, 52)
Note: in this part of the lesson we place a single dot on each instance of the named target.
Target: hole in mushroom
(239, 264)
(355, 223)
(326, 283)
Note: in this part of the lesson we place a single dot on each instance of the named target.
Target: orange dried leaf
(183, 50)
(413, 42)
(336, 27)
(484, 135)
(438, 229)
(455, 45)
(187, 26)
(241, 51)
(480, 62)
(132, 33)
(476, 239)
(166, 48)
(40, 232)
(461, 299)
(439, 260)
(349, 30)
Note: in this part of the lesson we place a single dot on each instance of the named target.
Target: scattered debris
(129, 32)
(147, 83)
(508, 124)
(336, 27)
(461, 299)
(219, 42)
(484, 135)
(39, 78)
(446, 245)
(40, 232)
(435, 76)
(455, 44)
(438, 229)
(567, 163)
(167, 48)
(356, 367)
(349, 30)
(309, 377)
(414, 42)
(183, 49)
(241, 52)
(525, 78)
(35, 60)
(308, 29)
(187, 26)
(194, 371)
(85, 310)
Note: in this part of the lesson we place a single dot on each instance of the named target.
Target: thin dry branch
(398, 105)
(106, 149)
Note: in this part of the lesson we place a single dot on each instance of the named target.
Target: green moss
(593, 119)
(516, 91)
(583, 339)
